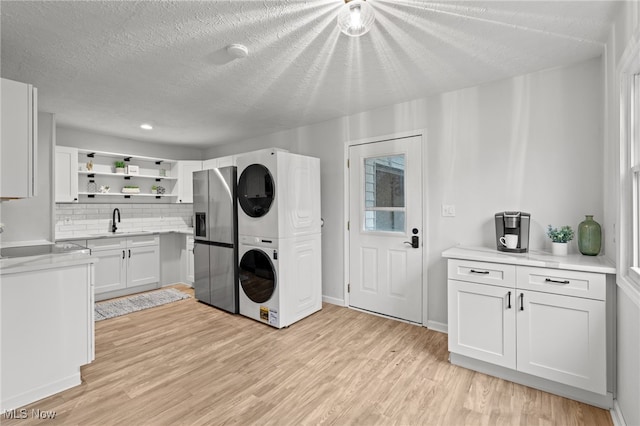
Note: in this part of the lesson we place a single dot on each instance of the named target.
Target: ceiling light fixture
(238, 50)
(146, 126)
(356, 18)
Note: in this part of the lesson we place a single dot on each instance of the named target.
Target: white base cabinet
(481, 323)
(126, 263)
(189, 259)
(111, 273)
(47, 321)
(562, 338)
(547, 323)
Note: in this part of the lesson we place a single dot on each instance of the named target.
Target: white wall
(67, 136)
(531, 143)
(30, 219)
(628, 305)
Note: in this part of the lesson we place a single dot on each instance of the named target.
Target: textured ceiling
(108, 66)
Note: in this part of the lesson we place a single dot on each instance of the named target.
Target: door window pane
(384, 221)
(384, 193)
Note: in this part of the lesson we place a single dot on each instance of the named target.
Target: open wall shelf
(91, 174)
(97, 169)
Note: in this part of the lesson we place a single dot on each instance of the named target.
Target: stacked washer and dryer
(279, 237)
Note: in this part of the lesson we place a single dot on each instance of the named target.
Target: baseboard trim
(178, 283)
(438, 326)
(616, 414)
(42, 392)
(125, 291)
(333, 300)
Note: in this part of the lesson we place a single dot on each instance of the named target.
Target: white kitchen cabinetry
(482, 323)
(189, 260)
(47, 321)
(145, 179)
(542, 322)
(125, 264)
(66, 177)
(111, 273)
(562, 338)
(18, 145)
(214, 163)
(185, 171)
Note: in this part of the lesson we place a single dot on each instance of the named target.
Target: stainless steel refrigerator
(216, 238)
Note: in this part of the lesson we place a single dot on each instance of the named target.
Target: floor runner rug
(138, 302)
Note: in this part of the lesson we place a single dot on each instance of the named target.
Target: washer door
(255, 190)
(257, 276)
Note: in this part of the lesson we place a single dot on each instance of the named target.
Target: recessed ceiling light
(146, 126)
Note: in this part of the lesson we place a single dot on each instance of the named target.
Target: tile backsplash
(81, 219)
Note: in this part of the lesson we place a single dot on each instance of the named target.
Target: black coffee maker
(513, 223)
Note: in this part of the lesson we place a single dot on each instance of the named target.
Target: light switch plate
(448, 210)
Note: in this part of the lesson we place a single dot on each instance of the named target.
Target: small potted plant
(119, 166)
(559, 239)
(154, 189)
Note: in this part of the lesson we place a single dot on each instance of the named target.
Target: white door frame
(422, 133)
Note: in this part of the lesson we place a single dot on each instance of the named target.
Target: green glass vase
(589, 236)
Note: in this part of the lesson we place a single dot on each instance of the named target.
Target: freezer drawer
(215, 276)
(201, 272)
(223, 278)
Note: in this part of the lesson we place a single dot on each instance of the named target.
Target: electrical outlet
(67, 220)
(448, 210)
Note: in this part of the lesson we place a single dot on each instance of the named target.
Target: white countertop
(574, 262)
(46, 261)
(122, 234)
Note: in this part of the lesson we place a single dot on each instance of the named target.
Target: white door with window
(385, 228)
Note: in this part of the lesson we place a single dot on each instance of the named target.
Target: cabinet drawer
(557, 281)
(106, 243)
(143, 240)
(482, 272)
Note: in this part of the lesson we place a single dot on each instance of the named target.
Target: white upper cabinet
(18, 146)
(66, 174)
(185, 179)
(214, 163)
(210, 164)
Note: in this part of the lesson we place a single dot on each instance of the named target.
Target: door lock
(415, 241)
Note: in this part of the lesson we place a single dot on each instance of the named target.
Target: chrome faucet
(113, 220)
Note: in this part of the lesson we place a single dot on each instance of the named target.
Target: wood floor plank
(187, 363)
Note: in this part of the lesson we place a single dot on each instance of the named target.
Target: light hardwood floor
(187, 363)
